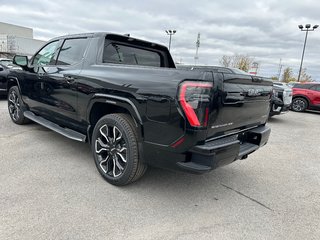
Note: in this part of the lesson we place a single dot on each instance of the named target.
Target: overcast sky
(265, 30)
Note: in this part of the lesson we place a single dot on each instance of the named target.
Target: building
(17, 40)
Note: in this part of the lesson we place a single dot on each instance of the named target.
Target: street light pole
(170, 33)
(307, 29)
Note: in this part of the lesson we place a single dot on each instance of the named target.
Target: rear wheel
(299, 104)
(115, 149)
(15, 106)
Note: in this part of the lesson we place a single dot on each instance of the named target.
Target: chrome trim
(111, 102)
(233, 133)
(103, 161)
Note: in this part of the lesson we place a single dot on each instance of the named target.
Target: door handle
(69, 79)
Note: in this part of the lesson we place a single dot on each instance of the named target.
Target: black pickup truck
(127, 99)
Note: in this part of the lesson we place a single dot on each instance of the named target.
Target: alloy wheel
(111, 151)
(298, 105)
(14, 105)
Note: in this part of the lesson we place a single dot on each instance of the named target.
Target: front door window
(46, 55)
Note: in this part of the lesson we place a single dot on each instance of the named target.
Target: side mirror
(1, 69)
(21, 61)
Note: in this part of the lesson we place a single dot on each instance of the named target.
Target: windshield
(6, 62)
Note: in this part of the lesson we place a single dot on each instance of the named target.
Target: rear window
(129, 55)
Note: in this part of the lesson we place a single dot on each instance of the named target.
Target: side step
(55, 127)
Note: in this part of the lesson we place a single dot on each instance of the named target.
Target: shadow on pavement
(277, 119)
(170, 182)
(183, 189)
(156, 179)
(159, 182)
(312, 112)
(168, 187)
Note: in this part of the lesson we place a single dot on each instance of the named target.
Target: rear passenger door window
(128, 55)
(316, 88)
(302, 86)
(72, 51)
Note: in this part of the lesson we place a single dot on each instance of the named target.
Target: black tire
(16, 107)
(299, 104)
(114, 140)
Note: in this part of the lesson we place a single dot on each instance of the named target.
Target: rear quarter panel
(298, 92)
(314, 97)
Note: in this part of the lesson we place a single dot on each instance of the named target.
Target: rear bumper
(217, 153)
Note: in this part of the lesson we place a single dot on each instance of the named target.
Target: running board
(55, 127)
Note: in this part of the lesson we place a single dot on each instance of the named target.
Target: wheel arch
(13, 81)
(302, 96)
(103, 104)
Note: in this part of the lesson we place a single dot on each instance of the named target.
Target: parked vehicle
(217, 69)
(126, 98)
(4, 72)
(5, 61)
(306, 96)
(281, 84)
(281, 99)
(291, 84)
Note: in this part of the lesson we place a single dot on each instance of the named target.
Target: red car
(306, 96)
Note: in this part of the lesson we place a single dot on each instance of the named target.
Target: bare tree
(239, 61)
(226, 61)
(304, 77)
(287, 75)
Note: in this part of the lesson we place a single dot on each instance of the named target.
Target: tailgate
(240, 102)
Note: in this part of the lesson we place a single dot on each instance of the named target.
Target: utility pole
(196, 57)
(280, 68)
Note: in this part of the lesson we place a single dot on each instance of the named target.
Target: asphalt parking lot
(50, 189)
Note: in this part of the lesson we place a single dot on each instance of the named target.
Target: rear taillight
(194, 98)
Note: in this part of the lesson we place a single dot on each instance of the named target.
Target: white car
(281, 99)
